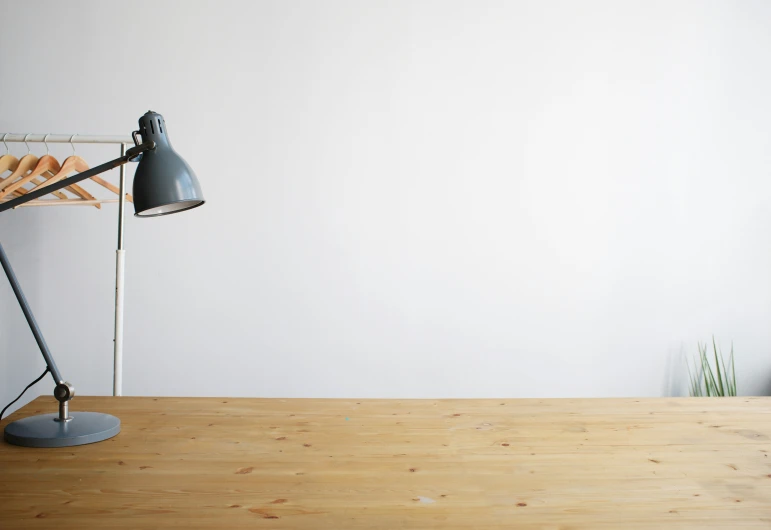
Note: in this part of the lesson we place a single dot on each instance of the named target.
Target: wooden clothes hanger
(11, 185)
(12, 163)
(71, 165)
(44, 165)
(47, 166)
(25, 165)
(112, 187)
(8, 162)
(75, 163)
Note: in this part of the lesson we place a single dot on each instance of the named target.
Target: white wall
(405, 199)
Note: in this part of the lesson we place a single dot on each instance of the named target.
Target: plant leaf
(733, 370)
(721, 391)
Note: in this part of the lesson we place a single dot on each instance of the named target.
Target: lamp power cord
(22, 392)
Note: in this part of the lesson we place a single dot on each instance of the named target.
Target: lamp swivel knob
(64, 392)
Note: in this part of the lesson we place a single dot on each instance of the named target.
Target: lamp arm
(45, 190)
(30, 318)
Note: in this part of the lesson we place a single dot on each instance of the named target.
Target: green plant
(709, 381)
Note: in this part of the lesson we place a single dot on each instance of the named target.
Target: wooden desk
(336, 464)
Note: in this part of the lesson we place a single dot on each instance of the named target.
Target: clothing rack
(66, 138)
(120, 261)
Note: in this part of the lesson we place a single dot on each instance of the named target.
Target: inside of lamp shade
(170, 208)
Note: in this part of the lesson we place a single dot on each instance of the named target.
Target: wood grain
(451, 464)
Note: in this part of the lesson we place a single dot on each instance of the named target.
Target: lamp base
(45, 431)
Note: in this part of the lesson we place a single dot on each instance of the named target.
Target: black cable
(22, 392)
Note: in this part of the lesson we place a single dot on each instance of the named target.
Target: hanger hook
(72, 145)
(7, 151)
(46, 143)
(29, 151)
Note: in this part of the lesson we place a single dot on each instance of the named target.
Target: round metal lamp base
(45, 431)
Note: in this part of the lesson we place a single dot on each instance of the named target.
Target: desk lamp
(163, 184)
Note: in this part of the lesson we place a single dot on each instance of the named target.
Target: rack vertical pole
(120, 261)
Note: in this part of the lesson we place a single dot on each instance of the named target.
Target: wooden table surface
(336, 464)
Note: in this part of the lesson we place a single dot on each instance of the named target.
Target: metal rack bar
(120, 265)
(67, 138)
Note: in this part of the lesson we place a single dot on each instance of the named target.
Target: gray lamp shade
(163, 183)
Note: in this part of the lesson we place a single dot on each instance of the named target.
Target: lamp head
(163, 183)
